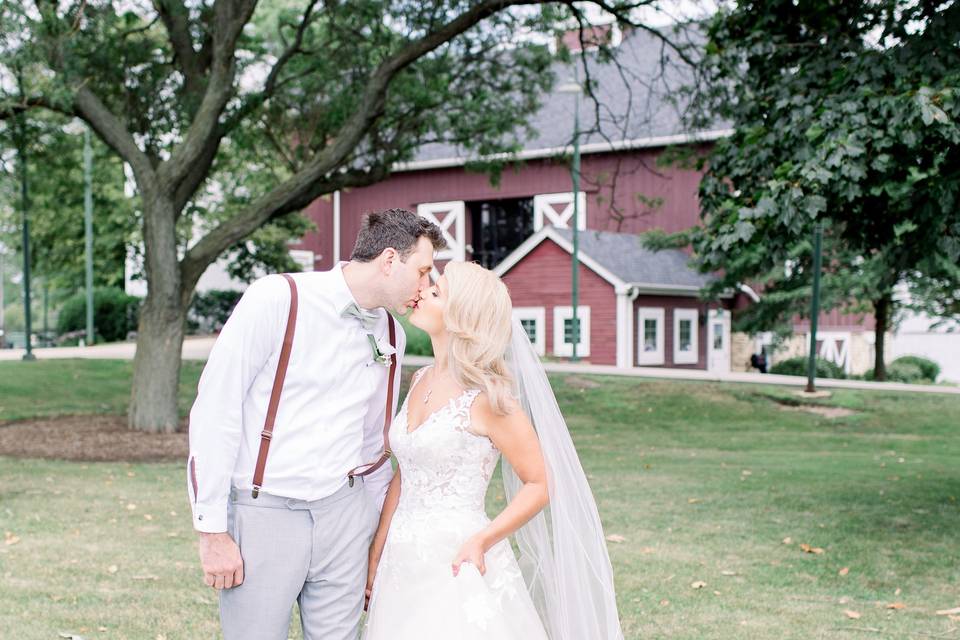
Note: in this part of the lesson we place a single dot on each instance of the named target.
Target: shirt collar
(341, 294)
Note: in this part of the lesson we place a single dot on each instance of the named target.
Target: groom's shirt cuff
(209, 518)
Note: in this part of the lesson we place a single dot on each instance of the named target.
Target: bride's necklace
(426, 396)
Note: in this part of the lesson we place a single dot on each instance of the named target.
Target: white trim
(692, 356)
(657, 357)
(561, 348)
(455, 211)
(539, 315)
(549, 232)
(550, 152)
(544, 212)
(336, 226)
(749, 291)
(638, 288)
(624, 328)
(828, 349)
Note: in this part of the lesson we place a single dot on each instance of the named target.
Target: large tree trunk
(156, 366)
(881, 312)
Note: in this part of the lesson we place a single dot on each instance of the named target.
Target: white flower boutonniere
(382, 351)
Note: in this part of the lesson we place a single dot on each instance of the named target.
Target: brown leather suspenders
(388, 414)
(267, 433)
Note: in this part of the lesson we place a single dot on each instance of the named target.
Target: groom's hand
(221, 561)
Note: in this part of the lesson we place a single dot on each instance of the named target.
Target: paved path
(199, 349)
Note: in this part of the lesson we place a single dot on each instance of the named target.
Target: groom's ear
(387, 258)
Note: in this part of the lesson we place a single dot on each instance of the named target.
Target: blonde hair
(479, 316)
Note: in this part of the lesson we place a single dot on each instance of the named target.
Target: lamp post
(88, 226)
(814, 308)
(575, 89)
(25, 223)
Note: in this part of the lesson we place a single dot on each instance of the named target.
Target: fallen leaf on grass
(699, 584)
(113, 568)
(897, 592)
(844, 571)
(131, 507)
(853, 615)
(788, 540)
(693, 500)
(664, 603)
(615, 537)
(728, 573)
(10, 539)
(949, 612)
(808, 549)
(896, 605)
(647, 550)
(145, 578)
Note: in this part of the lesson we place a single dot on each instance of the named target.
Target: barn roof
(621, 260)
(641, 106)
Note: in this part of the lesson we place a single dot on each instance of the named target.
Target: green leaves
(860, 134)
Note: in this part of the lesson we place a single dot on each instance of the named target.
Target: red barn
(639, 308)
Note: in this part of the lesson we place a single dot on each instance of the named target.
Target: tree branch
(315, 179)
(112, 131)
(271, 85)
(229, 18)
(293, 195)
(12, 109)
(176, 19)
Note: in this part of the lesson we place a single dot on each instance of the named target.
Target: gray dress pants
(312, 552)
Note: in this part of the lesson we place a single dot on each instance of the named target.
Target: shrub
(209, 310)
(929, 368)
(899, 371)
(114, 314)
(798, 367)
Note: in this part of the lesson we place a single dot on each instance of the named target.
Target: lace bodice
(444, 465)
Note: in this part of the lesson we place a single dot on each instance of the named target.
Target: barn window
(563, 331)
(499, 227)
(532, 319)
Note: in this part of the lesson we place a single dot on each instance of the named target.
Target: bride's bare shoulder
(486, 421)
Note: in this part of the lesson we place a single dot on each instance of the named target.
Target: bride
(440, 569)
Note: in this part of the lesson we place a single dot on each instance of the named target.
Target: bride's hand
(472, 551)
(371, 575)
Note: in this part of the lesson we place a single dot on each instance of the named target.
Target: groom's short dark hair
(397, 228)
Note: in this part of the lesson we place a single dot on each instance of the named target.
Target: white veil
(563, 553)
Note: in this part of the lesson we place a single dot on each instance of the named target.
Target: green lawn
(703, 481)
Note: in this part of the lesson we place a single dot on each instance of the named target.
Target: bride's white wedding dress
(445, 470)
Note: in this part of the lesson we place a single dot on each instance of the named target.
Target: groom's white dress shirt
(330, 418)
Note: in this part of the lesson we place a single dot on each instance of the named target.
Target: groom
(304, 533)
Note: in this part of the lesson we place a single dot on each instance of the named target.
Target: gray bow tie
(367, 318)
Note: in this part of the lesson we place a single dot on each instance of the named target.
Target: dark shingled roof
(623, 255)
(639, 99)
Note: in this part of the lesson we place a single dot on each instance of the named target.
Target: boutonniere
(382, 351)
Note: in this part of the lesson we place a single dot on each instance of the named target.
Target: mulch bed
(90, 439)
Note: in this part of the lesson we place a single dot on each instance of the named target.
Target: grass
(703, 481)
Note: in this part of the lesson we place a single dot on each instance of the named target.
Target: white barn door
(718, 340)
(557, 209)
(451, 218)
